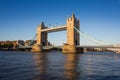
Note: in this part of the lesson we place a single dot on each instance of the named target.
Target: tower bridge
(72, 28)
(73, 37)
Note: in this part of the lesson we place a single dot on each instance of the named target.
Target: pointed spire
(42, 23)
(73, 16)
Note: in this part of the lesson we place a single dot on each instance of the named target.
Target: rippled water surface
(57, 66)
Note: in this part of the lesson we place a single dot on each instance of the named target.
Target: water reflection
(70, 66)
(41, 65)
(44, 71)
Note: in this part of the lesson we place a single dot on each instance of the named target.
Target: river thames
(57, 66)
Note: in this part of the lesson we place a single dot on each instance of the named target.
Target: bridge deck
(47, 47)
(25, 47)
(99, 46)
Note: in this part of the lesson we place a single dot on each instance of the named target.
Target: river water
(57, 66)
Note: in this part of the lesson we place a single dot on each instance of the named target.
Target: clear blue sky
(20, 18)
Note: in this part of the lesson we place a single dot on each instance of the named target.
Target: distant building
(8, 45)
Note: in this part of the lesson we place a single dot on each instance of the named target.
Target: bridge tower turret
(41, 36)
(73, 37)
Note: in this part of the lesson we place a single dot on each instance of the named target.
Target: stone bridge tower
(41, 36)
(73, 37)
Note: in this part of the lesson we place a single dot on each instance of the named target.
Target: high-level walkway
(54, 29)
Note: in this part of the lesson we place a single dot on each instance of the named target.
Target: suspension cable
(30, 41)
(89, 37)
